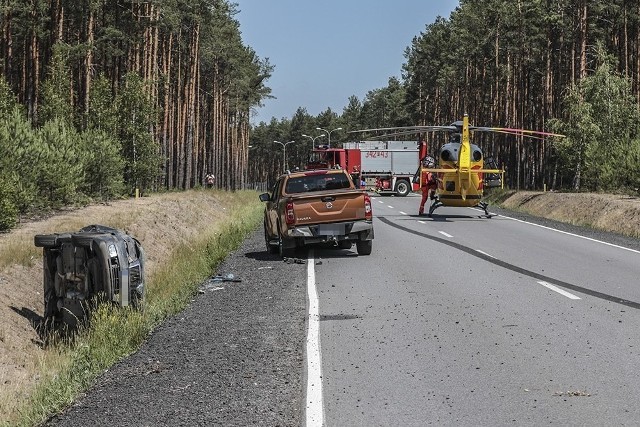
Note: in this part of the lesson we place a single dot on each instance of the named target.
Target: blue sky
(324, 51)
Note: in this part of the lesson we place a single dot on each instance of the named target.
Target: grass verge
(70, 366)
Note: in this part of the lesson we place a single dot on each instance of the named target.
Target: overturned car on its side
(95, 264)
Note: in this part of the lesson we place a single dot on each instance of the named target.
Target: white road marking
(389, 206)
(570, 234)
(558, 290)
(380, 201)
(484, 253)
(402, 213)
(315, 410)
(445, 234)
(422, 222)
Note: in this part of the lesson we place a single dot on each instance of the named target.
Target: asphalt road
(463, 320)
(445, 323)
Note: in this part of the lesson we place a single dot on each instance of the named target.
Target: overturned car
(95, 264)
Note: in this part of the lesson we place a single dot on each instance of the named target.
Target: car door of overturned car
(97, 263)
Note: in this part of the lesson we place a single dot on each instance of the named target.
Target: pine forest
(102, 99)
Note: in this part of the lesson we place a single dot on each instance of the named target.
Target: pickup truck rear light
(368, 212)
(290, 216)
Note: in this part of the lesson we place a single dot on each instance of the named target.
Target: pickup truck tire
(403, 188)
(344, 244)
(285, 252)
(271, 248)
(364, 247)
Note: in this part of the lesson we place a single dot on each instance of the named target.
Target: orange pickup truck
(317, 206)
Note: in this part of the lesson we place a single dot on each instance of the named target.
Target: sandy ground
(161, 221)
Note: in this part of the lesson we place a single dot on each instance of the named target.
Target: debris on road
(226, 278)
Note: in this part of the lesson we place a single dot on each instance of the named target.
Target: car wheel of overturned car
(46, 240)
(364, 247)
(403, 188)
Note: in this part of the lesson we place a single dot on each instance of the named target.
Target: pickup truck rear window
(304, 184)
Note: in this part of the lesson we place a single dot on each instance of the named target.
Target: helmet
(428, 162)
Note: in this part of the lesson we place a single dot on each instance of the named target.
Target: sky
(325, 51)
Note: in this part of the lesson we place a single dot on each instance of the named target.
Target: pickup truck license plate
(331, 230)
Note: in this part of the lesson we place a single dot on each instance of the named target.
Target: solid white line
(572, 234)
(445, 234)
(402, 213)
(484, 253)
(314, 412)
(558, 290)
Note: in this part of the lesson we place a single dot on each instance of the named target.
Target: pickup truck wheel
(284, 252)
(403, 188)
(364, 247)
(272, 249)
(344, 244)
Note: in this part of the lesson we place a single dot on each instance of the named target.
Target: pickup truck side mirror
(265, 197)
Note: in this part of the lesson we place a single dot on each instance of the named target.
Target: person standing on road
(428, 182)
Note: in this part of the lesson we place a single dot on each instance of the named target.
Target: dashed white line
(389, 206)
(445, 234)
(484, 253)
(402, 213)
(314, 410)
(422, 222)
(558, 290)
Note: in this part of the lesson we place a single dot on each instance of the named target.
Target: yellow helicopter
(461, 175)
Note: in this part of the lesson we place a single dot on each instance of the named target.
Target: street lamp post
(313, 139)
(284, 152)
(329, 134)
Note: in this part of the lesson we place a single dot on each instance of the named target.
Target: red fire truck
(384, 166)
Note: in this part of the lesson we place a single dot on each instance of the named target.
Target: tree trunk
(583, 27)
(88, 65)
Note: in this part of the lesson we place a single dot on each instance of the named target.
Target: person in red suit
(428, 182)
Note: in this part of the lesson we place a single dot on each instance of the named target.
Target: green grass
(72, 365)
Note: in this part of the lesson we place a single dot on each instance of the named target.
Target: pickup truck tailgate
(334, 206)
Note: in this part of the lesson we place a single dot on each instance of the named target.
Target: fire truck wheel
(403, 188)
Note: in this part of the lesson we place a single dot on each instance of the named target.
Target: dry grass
(616, 213)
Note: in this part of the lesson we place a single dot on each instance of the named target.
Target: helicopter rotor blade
(514, 131)
(388, 132)
(395, 134)
(415, 129)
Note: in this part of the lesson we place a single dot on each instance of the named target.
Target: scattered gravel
(234, 357)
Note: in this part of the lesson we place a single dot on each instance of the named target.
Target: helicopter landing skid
(485, 207)
(435, 205)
